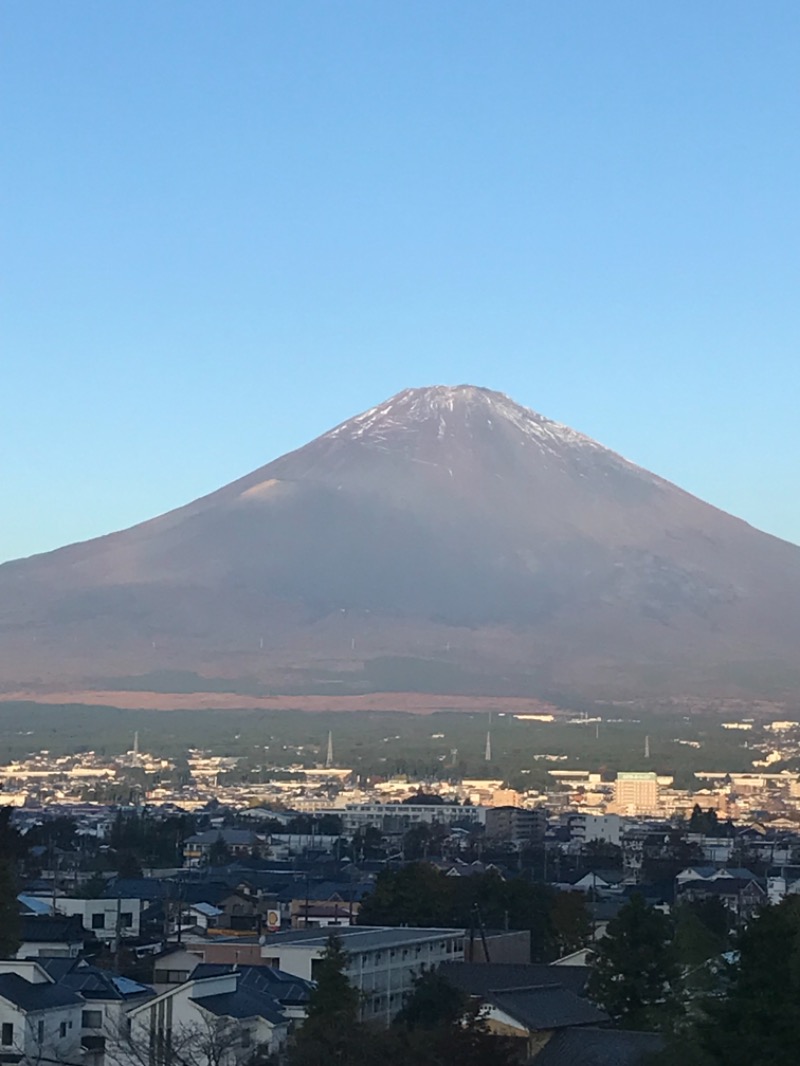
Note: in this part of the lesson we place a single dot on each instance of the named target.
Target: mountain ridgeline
(447, 540)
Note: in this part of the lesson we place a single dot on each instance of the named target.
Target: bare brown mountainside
(446, 540)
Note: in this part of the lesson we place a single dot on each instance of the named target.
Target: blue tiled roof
(32, 997)
(243, 1004)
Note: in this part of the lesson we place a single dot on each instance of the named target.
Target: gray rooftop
(243, 1004)
(547, 1007)
(478, 978)
(361, 938)
(599, 1047)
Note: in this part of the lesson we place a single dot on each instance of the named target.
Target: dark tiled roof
(722, 886)
(77, 975)
(477, 978)
(285, 987)
(547, 1007)
(38, 928)
(30, 997)
(58, 967)
(233, 837)
(149, 888)
(599, 1047)
(243, 1004)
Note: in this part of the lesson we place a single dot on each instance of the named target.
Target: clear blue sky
(228, 226)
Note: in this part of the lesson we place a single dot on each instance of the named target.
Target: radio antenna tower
(329, 756)
(488, 753)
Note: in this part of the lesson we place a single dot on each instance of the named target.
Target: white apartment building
(586, 828)
(398, 817)
(382, 961)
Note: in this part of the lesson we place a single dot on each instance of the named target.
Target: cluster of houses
(58, 1005)
(213, 965)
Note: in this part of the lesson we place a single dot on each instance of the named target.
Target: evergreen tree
(219, 853)
(757, 1021)
(331, 1032)
(570, 921)
(635, 976)
(9, 911)
(438, 1025)
(433, 1002)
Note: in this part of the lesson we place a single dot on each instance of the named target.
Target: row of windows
(7, 1030)
(448, 946)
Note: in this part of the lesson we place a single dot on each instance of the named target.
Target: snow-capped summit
(455, 409)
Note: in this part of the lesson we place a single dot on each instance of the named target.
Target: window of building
(126, 919)
(40, 1032)
(92, 1019)
(7, 1034)
(62, 1030)
(98, 921)
(170, 977)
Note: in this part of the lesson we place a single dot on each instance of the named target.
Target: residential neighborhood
(197, 933)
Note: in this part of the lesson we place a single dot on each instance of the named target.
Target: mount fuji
(446, 540)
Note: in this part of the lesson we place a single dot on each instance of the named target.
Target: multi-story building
(517, 825)
(636, 793)
(398, 817)
(382, 961)
(586, 828)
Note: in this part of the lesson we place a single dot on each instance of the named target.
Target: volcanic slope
(449, 540)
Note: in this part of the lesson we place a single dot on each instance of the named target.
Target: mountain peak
(458, 410)
(448, 539)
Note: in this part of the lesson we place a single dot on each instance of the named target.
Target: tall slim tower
(488, 753)
(329, 756)
(647, 747)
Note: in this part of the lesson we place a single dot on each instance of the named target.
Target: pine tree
(635, 976)
(9, 911)
(433, 1002)
(331, 1032)
(439, 1024)
(757, 1021)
